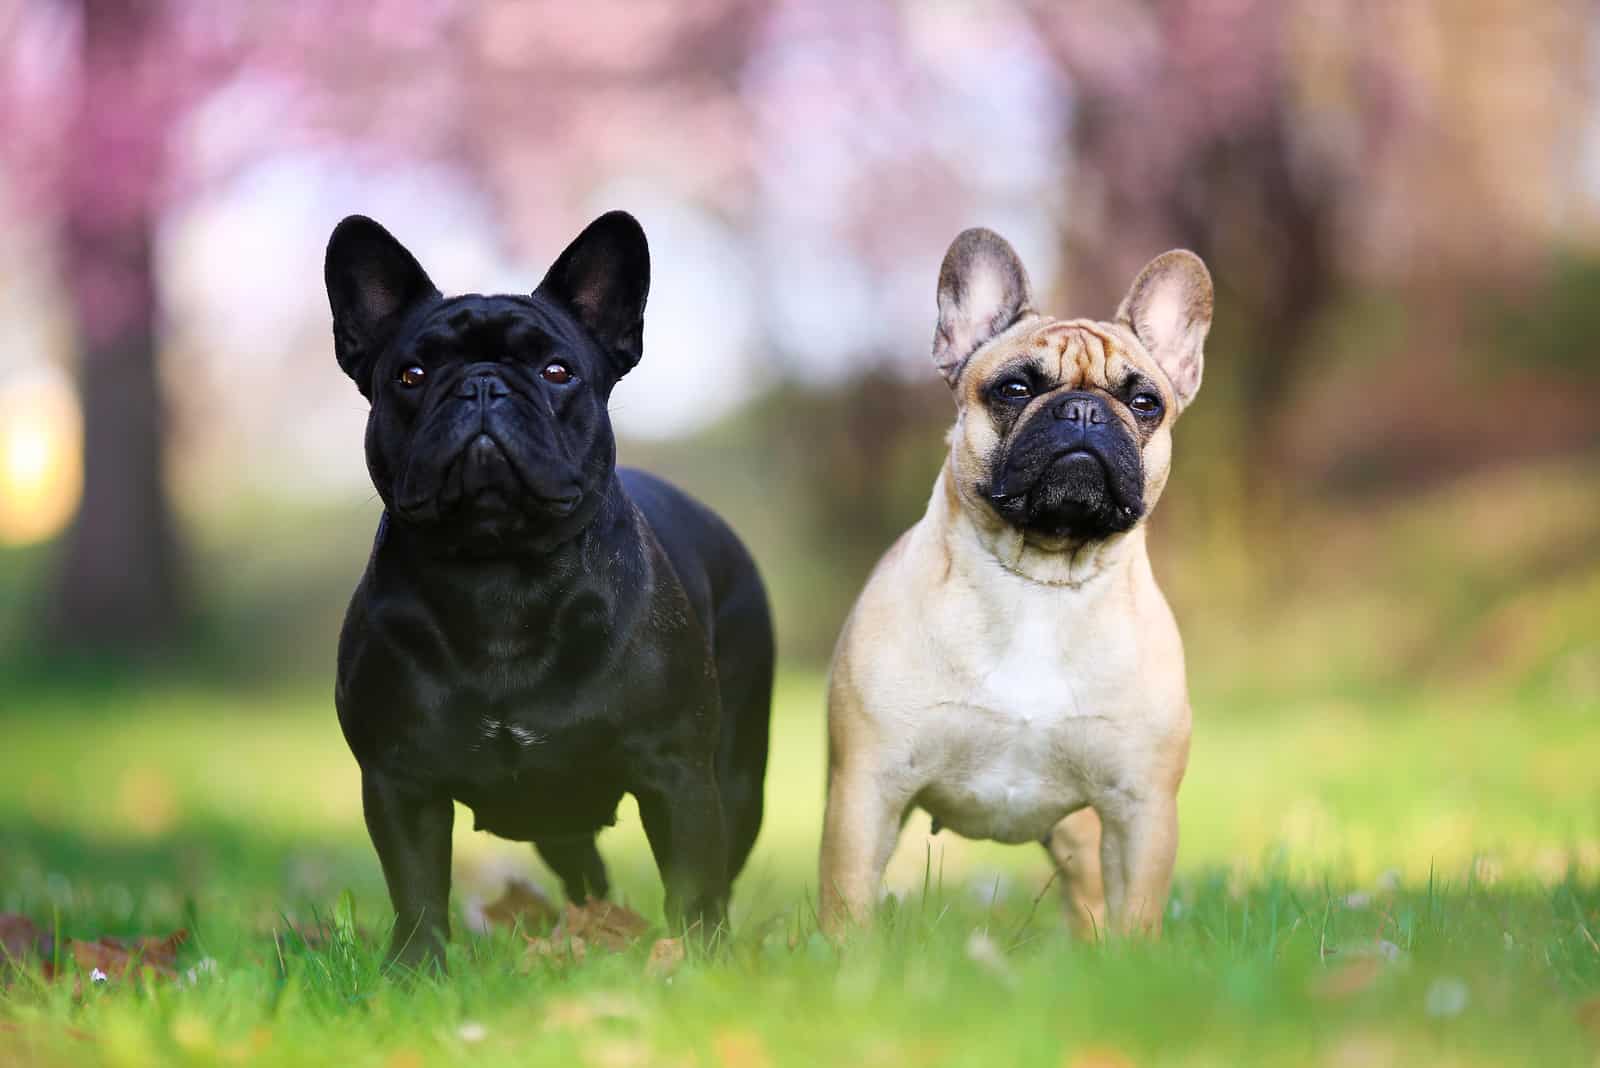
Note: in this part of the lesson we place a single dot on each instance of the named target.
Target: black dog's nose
(1081, 408)
(484, 383)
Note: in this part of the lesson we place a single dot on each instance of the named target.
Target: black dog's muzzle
(489, 449)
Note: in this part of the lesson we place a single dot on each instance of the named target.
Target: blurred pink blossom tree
(1302, 147)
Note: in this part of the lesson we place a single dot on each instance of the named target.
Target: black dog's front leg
(410, 827)
(682, 814)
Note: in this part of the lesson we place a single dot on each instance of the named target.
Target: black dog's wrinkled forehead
(477, 327)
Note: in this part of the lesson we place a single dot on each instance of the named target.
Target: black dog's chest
(529, 762)
(487, 734)
(534, 693)
(524, 808)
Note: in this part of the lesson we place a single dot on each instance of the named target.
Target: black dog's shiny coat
(537, 632)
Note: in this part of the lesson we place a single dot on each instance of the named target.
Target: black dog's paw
(416, 953)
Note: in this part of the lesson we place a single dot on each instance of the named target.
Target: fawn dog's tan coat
(1012, 666)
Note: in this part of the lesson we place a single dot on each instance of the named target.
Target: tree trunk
(118, 583)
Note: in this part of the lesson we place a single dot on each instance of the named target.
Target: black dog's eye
(1145, 403)
(556, 373)
(413, 375)
(1013, 389)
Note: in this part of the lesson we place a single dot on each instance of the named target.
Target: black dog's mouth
(483, 481)
(484, 478)
(1074, 494)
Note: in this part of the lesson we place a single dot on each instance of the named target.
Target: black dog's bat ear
(603, 278)
(983, 289)
(372, 282)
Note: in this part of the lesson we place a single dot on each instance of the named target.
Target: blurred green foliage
(1552, 328)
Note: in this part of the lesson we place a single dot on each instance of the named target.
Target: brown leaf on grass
(603, 923)
(147, 958)
(159, 950)
(555, 950)
(21, 938)
(666, 957)
(521, 903)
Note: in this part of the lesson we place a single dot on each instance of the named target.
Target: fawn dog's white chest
(1011, 756)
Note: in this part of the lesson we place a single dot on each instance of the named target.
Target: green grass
(1455, 840)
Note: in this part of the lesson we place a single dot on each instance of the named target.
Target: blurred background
(1386, 502)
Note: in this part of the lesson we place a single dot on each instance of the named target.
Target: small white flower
(204, 967)
(97, 976)
(472, 1031)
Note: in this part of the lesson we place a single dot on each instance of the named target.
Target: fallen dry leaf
(20, 938)
(555, 950)
(521, 903)
(603, 923)
(666, 957)
(161, 950)
(150, 958)
(104, 959)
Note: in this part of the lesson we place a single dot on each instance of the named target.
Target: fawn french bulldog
(1011, 666)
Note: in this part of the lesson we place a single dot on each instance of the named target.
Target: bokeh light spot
(41, 462)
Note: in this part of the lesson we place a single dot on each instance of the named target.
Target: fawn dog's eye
(1013, 389)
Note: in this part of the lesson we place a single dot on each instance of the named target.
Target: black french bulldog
(538, 632)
